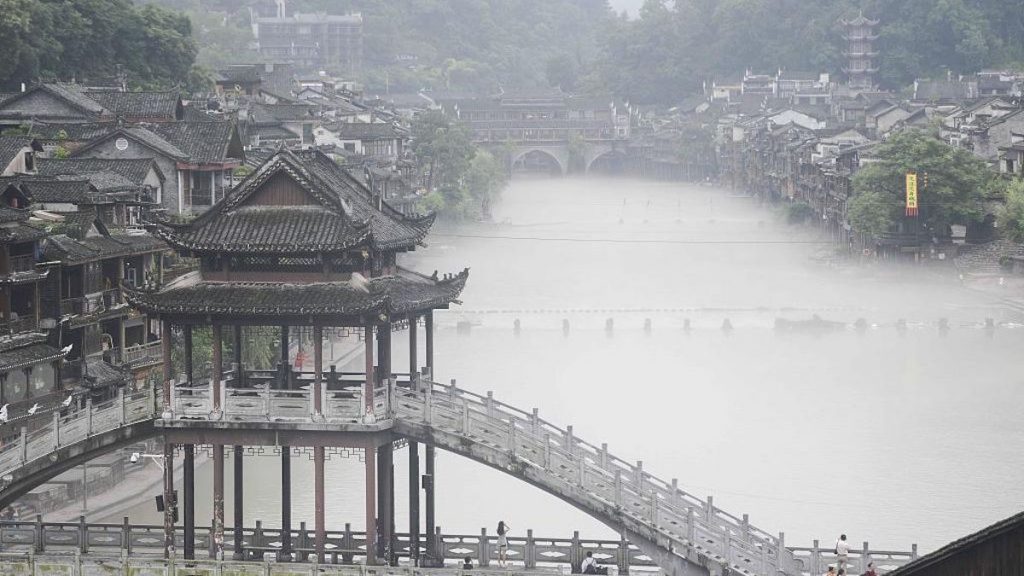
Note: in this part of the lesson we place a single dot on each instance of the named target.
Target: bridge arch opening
(537, 161)
(610, 163)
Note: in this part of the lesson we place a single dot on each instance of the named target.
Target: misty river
(891, 438)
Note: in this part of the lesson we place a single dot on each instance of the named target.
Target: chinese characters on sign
(911, 194)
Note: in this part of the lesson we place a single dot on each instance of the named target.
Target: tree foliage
(674, 46)
(1011, 214)
(462, 181)
(957, 183)
(94, 41)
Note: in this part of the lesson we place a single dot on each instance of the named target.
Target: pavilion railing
(63, 431)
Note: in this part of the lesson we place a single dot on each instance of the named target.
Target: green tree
(957, 182)
(484, 181)
(1011, 215)
(443, 148)
(872, 213)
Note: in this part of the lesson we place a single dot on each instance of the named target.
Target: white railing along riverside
(125, 409)
(572, 466)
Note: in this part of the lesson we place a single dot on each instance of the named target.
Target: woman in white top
(502, 542)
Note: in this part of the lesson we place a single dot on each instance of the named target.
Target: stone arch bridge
(681, 533)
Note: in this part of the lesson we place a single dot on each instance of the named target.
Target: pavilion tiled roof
(140, 106)
(367, 131)
(399, 293)
(100, 375)
(343, 214)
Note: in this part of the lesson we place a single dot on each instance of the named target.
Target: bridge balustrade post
(654, 508)
(673, 498)
(302, 555)
(126, 536)
(56, 429)
(815, 559)
(709, 509)
(489, 402)
(582, 476)
(691, 526)
(465, 418)
(622, 560)
(603, 455)
(569, 440)
(865, 557)
(530, 554)
(512, 448)
(638, 476)
(746, 527)
(88, 417)
(765, 558)
(23, 445)
(727, 548)
(913, 551)
(780, 551)
(257, 536)
(40, 543)
(428, 403)
(547, 451)
(575, 553)
(83, 535)
(452, 391)
(535, 421)
(484, 549)
(347, 544)
(617, 496)
(121, 402)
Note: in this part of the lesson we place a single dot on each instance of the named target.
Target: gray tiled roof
(54, 190)
(27, 356)
(134, 170)
(395, 294)
(201, 142)
(140, 106)
(10, 146)
(342, 214)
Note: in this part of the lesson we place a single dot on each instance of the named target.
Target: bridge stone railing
(816, 560)
(28, 564)
(343, 546)
(125, 409)
(591, 472)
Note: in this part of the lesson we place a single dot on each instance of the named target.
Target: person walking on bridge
(502, 542)
(842, 553)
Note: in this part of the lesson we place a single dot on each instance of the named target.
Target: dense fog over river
(891, 438)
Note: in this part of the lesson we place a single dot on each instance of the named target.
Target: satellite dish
(121, 144)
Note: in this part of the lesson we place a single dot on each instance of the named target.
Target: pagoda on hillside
(303, 246)
(860, 53)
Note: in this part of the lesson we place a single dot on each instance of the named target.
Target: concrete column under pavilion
(168, 447)
(428, 486)
(286, 460)
(414, 458)
(320, 539)
(189, 479)
(239, 507)
(217, 376)
(370, 452)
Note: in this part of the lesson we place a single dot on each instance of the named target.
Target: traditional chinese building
(860, 52)
(303, 246)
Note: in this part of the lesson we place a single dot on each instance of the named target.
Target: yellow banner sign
(911, 194)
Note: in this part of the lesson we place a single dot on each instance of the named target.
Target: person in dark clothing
(467, 563)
